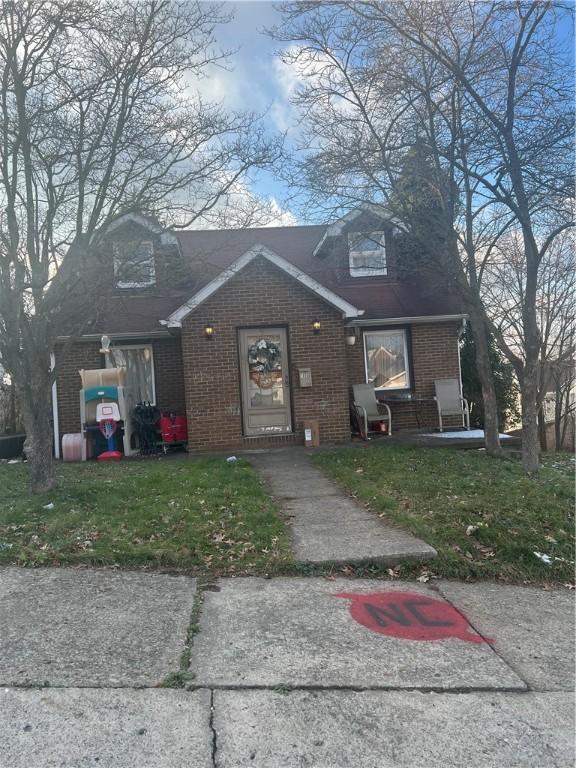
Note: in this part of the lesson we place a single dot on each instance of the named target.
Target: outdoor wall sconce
(105, 345)
(351, 334)
(209, 330)
(316, 325)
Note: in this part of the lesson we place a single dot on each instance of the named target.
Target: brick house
(251, 332)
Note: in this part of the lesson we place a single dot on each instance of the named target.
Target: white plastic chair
(366, 403)
(450, 402)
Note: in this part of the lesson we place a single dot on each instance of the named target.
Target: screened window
(139, 364)
(367, 254)
(386, 354)
(134, 264)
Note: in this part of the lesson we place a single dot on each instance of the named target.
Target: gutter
(404, 320)
(117, 336)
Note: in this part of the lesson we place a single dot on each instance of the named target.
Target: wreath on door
(265, 363)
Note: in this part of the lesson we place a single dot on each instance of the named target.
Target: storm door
(264, 373)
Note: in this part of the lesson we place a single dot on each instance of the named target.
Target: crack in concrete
(213, 730)
(282, 688)
(182, 676)
(311, 496)
(438, 589)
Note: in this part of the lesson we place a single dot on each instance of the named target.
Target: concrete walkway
(327, 525)
(285, 672)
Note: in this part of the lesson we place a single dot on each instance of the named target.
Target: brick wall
(169, 375)
(70, 359)
(86, 355)
(262, 295)
(433, 348)
(201, 376)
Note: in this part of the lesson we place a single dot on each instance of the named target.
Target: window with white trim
(138, 360)
(134, 263)
(386, 358)
(367, 254)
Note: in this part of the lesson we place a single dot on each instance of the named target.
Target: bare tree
(488, 87)
(9, 407)
(386, 128)
(97, 118)
(564, 382)
(504, 295)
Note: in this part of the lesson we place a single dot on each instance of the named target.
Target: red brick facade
(69, 360)
(263, 295)
(201, 377)
(169, 375)
(433, 353)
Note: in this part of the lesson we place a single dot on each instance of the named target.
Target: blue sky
(255, 78)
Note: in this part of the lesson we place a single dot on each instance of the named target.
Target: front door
(264, 373)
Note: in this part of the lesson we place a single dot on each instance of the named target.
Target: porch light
(351, 339)
(209, 330)
(105, 345)
(316, 325)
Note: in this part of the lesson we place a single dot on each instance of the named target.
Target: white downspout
(460, 334)
(56, 426)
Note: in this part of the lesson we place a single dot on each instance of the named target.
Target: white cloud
(214, 88)
(286, 75)
(282, 217)
(243, 207)
(304, 68)
(282, 115)
(287, 80)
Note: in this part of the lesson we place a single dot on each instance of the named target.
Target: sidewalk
(327, 525)
(287, 672)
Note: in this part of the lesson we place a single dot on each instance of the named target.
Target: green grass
(183, 677)
(202, 516)
(208, 517)
(438, 493)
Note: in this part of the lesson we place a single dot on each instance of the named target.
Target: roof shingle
(207, 252)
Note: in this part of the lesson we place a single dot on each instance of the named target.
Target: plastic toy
(108, 416)
(101, 387)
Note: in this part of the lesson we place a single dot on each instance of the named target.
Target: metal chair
(450, 402)
(368, 407)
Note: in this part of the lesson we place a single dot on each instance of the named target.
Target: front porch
(472, 439)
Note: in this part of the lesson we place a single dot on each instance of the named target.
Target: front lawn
(203, 515)
(483, 515)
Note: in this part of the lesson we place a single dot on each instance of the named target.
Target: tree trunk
(542, 430)
(558, 408)
(11, 426)
(486, 376)
(530, 436)
(35, 395)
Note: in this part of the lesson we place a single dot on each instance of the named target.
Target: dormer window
(367, 254)
(134, 264)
